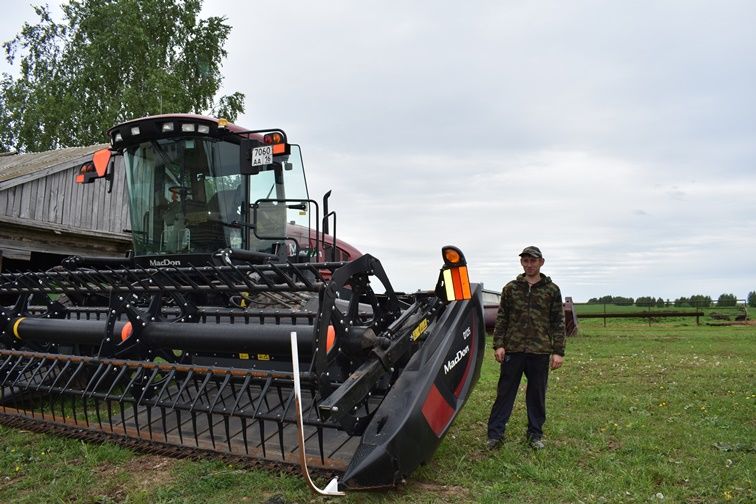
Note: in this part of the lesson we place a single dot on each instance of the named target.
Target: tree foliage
(110, 61)
(617, 300)
(700, 301)
(697, 301)
(752, 299)
(727, 300)
(645, 301)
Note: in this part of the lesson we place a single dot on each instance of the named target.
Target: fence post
(698, 321)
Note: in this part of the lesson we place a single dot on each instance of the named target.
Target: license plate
(262, 156)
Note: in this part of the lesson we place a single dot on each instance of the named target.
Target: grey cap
(532, 251)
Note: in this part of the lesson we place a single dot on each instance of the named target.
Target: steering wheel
(180, 190)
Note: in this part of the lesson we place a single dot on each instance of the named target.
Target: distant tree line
(650, 301)
(617, 300)
(696, 301)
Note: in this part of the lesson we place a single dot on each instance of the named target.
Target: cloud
(581, 208)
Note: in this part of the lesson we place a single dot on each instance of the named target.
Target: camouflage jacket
(530, 318)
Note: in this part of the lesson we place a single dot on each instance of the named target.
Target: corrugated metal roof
(18, 165)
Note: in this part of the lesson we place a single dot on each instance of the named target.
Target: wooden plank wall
(58, 199)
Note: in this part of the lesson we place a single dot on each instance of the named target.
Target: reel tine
(61, 373)
(178, 425)
(244, 434)
(192, 409)
(164, 389)
(182, 388)
(121, 374)
(22, 372)
(37, 370)
(163, 421)
(210, 427)
(84, 401)
(194, 427)
(6, 362)
(260, 400)
(10, 372)
(50, 369)
(261, 426)
(128, 390)
(141, 400)
(66, 389)
(244, 386)
(95, 376)
(147, 385)
(219, 393)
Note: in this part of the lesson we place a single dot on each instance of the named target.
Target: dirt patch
(737, 323)
(145, 473)
(445, 493)
(479, 455)
(613, 444)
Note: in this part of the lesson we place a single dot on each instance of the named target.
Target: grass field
(665, 413)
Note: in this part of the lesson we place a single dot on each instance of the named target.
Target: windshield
(187, 196)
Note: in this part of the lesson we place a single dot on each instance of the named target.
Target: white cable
(332, 488)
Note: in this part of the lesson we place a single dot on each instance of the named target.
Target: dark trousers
(536, 369)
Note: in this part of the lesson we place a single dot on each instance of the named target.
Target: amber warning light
(277, 141)
(454, 283)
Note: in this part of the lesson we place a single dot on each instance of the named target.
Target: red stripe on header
(437, 411)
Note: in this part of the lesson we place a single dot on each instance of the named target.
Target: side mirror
(96, 168)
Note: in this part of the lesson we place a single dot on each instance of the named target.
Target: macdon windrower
(239, 326)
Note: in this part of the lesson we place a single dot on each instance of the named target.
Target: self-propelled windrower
(237, 311)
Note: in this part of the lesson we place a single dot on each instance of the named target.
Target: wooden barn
(45, 215)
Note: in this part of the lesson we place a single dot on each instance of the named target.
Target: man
(528, 338)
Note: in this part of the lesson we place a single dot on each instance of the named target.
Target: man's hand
(499, 354)
(556, 361)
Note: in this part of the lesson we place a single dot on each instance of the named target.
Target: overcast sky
(619, 137)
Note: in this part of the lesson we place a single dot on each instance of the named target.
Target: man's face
(531, 265)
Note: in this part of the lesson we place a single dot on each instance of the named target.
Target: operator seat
(175, 236)
(209, 225)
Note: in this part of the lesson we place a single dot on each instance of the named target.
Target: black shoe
(493, 443)
(536, 444)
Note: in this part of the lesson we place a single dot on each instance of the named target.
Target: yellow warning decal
(263, 356)
(420, 329)
(15, 328)
(244, 356)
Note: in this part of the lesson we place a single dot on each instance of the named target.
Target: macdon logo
(460, 354)
(164, 262)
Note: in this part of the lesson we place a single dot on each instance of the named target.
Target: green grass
(636, 413)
